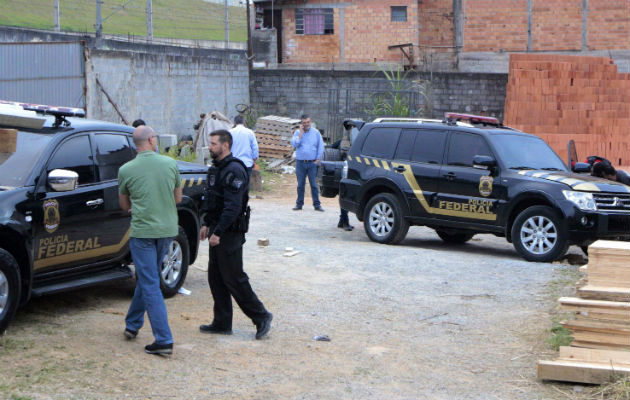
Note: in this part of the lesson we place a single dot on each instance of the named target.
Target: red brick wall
(608, 24)
(489, 26)
(556, 25)
(309, 48)
(495, 25)
(435, 18)
(369, 30)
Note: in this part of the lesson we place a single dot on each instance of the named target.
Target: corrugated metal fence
(43, 73)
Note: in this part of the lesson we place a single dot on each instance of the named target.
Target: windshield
(526, 152)
(16, 167)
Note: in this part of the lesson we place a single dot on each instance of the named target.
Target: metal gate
(43, 73)
(367, 105)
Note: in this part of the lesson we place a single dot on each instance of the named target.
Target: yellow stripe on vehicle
(386, 165)
(417, 191)
(376, 163)
(367, 161)
(82, 255)
(183, 183)
(199, 181)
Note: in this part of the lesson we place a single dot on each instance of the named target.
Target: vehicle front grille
(612, 201)
(619, 223)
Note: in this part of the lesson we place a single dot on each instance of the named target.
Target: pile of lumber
(559, 97)
(601, 328)
(274, 136)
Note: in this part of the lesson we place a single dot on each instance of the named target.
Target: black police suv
(463, 178)
(61, 226)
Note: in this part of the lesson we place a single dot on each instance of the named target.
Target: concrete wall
(167, 86)
(295, 92)
(265, 45)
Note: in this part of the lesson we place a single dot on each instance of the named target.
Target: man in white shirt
(244, 144)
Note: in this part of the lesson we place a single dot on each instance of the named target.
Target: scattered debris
(184, 291)
(263, 242)
(186, 316)
(291, 253)
(321, 338)
(287, 169)
(112, 311)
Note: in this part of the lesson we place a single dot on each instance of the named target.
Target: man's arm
(296, 140)
(178, 195)
(320, 147)
(124, 201)
(254, 145)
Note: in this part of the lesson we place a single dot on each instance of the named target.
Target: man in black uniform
(225, 223)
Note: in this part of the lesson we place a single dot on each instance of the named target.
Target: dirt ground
(421, 320)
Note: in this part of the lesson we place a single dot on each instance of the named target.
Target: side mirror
(581, 167)
(62, 180)
(484, 162)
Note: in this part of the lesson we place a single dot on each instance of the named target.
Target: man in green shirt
(149, 188)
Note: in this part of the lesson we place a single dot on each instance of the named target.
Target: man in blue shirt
(244, 144)
(309, 148)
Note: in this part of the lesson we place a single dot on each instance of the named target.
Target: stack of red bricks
(560, 98)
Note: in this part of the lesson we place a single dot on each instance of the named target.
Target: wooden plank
(612, 245)
(576, 371)
(595, 292)
(617, 357)
(616, 340)
(595, 304)
(8, 140)
(597, 345)
(618, 328)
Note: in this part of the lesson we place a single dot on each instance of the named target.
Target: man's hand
(203, 233)
(214, 240)
(301, 131)
(317, 161)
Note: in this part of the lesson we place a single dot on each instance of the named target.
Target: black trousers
(227, 279)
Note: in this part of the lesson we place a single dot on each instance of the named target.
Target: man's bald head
(142, 138)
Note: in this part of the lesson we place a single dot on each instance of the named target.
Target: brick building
(445, 34)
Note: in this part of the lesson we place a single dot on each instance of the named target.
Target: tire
(9, 288)
(456, 238)
(383, 219)
(331, 154)
(538, 234)
(175, 265)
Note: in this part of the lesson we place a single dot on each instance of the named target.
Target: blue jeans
(302, 170)
(147, 255)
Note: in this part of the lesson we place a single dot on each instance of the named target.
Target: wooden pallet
(585, 365)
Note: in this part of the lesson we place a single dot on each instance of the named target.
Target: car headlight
(584, 201)
(344, 171)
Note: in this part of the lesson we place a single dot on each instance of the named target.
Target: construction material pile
(274, 136)
(601, 328)
(559, 98)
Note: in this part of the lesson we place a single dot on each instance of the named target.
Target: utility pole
(56, 5)
(249, 38)
(227, 25)
(149, 20)
(99, 20)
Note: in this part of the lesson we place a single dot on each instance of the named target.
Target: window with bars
(399, 13)
(314, 21)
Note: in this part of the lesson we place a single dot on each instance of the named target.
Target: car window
(464, 146)
(75, 155)
(381, 142)
(112, 151)
(405, 144)
(429, 147)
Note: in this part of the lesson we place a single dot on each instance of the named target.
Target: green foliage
(180, 154)
(560, 336)
(397, 102)
(182, 19)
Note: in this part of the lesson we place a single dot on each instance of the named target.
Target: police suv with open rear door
(469, 174)
(61, 226)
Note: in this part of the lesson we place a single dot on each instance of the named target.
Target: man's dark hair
(601, 168)
(238, 120)
(305, 116)
(224, 136)
(137, 123)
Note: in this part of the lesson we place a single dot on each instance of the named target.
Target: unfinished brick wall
(495, 25)
(489, 26)
(309, 48)
(556, 25)
(369, 30)
(435, 19)
(608, 24)
(559, 98)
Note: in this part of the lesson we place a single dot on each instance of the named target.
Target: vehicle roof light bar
(60, 113)
(473, 119)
